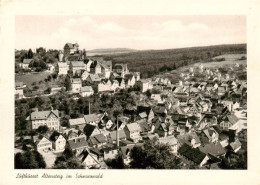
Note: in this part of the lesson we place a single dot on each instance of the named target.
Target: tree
(69, 164)
(39, 159)
(153, 155)
(54, 134)
(67, 83)
(67, 154)
(116, 163)
(18, 161)
(30, 54)
(42, 129)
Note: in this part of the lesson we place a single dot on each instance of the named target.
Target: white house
(63, 68)
(86, 91)
(49, 118)
(44, 145)
(59, 143)
(75, 85)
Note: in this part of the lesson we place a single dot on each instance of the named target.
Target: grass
(37, 79)
(233, 59)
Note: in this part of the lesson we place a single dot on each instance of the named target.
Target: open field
(231, 61)
(29, 78)
(230, 56)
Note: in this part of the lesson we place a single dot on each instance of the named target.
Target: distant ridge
(111, 50)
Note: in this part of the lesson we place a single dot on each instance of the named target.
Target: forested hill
(151, 62)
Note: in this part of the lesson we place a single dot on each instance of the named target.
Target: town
(86, 112)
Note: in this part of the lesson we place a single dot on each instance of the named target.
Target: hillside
(108, 51)
(152, 62)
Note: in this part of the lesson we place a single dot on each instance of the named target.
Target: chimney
(231, 134)
(117, 134)
(88, 107)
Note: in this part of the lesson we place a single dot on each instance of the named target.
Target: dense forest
(152, 62)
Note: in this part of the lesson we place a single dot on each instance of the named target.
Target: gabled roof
(192, 154)
(27, 61)
(144, 126)
(91, 118)
(95, 77)
(129, 76)
(170, 140)
(77, 143)
(121, 135)
(77, 121)
(232, 119)
(143, 115)
(77, 64)
(87, 89)
(38, 115)
(132, 127)
(213, 149)
(236, 144)
(96, 139)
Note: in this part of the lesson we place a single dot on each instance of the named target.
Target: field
(36, 81)
(30, 78)
(230, 61)
(230, 56)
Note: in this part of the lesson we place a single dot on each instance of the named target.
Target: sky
(135, 32)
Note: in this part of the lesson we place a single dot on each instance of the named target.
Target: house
(77, 67)
(91, 130)
(106, 68)
(86, 91)
(214, 149)
(193, 155)
(191, 139)
(162, 130)
(26, 63)
(170, 141)
(105, 122)
(132, 132)
(104, 86)
(78, 145)
(92, 119)
(228, 122)
(95, 68)
(157, 98)
(129, 80)
(145, 128)
(19, 85)
(121, 83)
(85, 75)
(113, 136)
(93, 78)
(70, 48)
(137, 76)
(43, 145)
(121, 69)
(235, 146)
(76, 135)
(145, 85)
(89, 159)
(125, 151)
(109, 152)
(59, 143)
(49, 118)
(211, 134)
(76, 85)
(19, 94)
(97, 140)
(78, 123)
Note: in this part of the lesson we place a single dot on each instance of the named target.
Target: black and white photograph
(130, 92)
